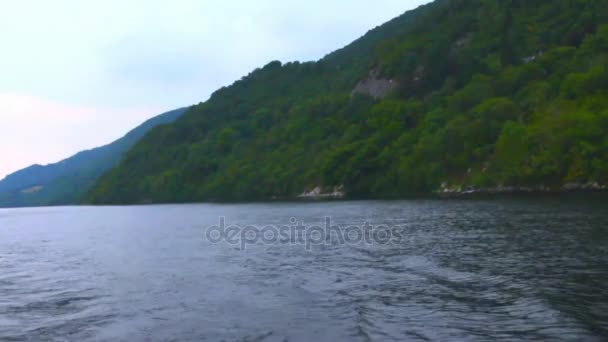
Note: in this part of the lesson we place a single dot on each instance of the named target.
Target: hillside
(456, 93)
(65, 182)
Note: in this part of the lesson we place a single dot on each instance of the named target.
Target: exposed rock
(460, 44)
(585, 186)
(463, 41)
(375, 86)
(418, 73)
(572, 186)
(318, 193)
(446, 190)
(532, 58)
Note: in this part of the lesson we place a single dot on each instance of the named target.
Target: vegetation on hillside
(490, 92)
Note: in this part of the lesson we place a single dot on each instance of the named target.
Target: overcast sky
(78, 74)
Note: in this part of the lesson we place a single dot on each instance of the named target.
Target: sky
(79, 74)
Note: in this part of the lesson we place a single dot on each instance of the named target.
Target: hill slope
(457, 92)
(66, 181)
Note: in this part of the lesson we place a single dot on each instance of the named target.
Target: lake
(422, 270)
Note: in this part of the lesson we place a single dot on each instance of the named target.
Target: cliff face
(375, 86)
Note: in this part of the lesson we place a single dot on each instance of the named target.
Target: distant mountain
(66, 181)
(455, 94)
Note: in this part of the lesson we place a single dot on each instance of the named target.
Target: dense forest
(478, 93)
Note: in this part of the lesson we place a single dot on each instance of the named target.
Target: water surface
(510, 269)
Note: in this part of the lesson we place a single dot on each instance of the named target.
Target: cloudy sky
(78, 74)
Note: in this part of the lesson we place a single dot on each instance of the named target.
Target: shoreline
(444, 194)
(572, 188)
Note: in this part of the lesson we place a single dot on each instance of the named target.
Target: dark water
(464, 270)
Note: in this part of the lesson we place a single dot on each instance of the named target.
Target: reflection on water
(511, 269)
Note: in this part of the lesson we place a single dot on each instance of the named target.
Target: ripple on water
(465, 270)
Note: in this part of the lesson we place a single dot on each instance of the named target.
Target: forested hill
(458, 92)
(65, 182)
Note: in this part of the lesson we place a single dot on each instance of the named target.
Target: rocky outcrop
(318, 193)
(532, 58)
(462, 191)
(460, 44)
(375, 86)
